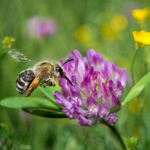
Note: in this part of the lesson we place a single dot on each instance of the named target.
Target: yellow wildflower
(112, 31)
(134, 106)
(141, 15)
(107, 32)
(141, 39)
(119, 22)
(8, 42)
(84, 33)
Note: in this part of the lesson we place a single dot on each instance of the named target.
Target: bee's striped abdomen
(24, 80)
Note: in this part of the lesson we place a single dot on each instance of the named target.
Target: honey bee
(43, 74)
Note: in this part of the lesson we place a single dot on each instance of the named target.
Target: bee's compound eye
(59, 71)
(58, 68)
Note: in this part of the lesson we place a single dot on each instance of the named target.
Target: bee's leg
(42, 84)
(50, 82)
(34, 85)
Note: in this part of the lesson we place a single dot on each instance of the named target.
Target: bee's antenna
(69, 81)
(70, 59)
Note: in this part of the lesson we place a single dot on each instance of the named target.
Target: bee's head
(60, 72)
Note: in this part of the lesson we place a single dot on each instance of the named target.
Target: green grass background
(18, 130)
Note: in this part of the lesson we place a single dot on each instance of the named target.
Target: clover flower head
(141, 38)
(98, 87)
(141, 15)
(41, 28)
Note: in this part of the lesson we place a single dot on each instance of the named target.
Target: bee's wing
(20, 57)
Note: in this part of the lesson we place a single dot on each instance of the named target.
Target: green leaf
(42, 112)
(137, 88)
(21, 102)
(49, 91)
(57, 87)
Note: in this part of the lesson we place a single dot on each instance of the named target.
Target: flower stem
(146, 59)
(132, 64)
(115, 132)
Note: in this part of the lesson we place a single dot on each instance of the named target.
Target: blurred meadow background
(106, 27)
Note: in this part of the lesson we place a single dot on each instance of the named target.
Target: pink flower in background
(1, 143)
(39, 27)
(98, 87)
